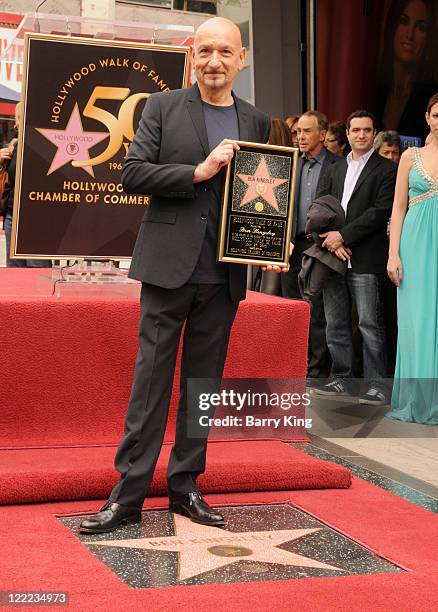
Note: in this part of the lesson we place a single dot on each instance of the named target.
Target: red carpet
(88, 473)
(43, 555)
(67, 362)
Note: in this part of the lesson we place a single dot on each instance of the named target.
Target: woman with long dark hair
(408, 67)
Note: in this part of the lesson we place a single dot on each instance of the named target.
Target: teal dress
(415, 391)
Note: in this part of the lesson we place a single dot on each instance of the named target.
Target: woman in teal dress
(413, 268)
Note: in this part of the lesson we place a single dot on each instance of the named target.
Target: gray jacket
(325, 214)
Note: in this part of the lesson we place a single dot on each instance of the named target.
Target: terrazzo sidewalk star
(202, 549)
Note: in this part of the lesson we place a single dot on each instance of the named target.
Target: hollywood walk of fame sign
(257, 205)
(83, 99)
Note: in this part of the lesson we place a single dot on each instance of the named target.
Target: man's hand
(5, 154)
(279, 268)
(218, 158)
(343, 253)
(333, 240)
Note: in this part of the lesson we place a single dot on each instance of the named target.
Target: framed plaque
(257, 205)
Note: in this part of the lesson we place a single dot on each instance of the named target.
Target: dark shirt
(221, 122)
(8, 195)
(310, 172)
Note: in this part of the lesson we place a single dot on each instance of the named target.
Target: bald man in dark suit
(184, 141)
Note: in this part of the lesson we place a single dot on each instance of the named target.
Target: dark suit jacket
(368, 211)
(170, 142)
(329, 159)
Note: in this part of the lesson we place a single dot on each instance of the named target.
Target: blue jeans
(364, 291)
(19, 263)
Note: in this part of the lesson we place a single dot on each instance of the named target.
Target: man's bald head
(219, 26)
(217, 56)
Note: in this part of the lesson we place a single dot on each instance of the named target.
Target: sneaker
(336, 387)
(374, 397)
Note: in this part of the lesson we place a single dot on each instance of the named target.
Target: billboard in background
(385, 60)
(69, 201)
(11, 69)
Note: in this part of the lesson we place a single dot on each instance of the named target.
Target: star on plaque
(202, 549)
(261, 184)
(72, 143)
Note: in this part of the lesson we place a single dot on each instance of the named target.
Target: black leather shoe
(110, 517)
(196, 508)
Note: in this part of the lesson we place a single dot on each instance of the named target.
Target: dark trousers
(365, 292)
(208, 313)
(319, 361)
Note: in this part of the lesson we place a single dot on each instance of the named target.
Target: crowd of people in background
(347, 180)
(8, 165)
(353, 328)
(326, 140)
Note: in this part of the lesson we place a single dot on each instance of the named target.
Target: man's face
(310, 136)
(331, 143)
(217, 56)
(390, 151)
(361, 135)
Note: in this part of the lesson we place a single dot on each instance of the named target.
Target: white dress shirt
(354, 170)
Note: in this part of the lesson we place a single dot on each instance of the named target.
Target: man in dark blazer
(184, 141)
(364, 184)
(314, 162)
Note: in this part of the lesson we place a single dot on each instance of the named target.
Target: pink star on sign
(73, 143)
(261, 184)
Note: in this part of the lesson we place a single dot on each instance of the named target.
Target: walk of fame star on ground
(201, 548)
